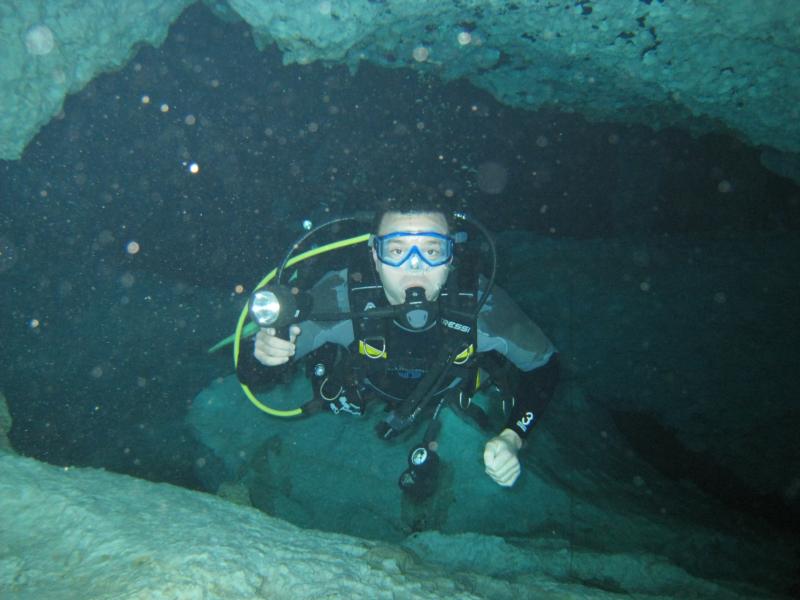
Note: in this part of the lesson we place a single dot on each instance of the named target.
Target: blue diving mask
(401, 247)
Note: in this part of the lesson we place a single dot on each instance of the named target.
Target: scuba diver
(416, 327)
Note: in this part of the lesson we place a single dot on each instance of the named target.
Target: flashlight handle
(298, 310)
(283, 332)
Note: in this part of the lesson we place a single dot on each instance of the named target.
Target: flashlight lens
(265, 308)
(418, 457)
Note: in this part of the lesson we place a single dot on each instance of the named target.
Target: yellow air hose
(241, 330)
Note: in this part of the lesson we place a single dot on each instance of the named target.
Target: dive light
(279, 306)
(418, 481)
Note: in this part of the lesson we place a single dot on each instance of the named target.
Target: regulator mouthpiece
(417, 311)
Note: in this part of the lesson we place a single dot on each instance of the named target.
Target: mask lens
(432, 248)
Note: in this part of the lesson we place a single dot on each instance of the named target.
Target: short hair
(414, 199)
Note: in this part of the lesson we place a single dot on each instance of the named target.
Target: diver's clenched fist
(500, 458)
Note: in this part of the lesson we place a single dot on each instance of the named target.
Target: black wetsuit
(502, 328)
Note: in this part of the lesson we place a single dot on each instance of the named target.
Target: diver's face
(414, 272)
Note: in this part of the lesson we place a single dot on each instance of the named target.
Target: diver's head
(412, 247)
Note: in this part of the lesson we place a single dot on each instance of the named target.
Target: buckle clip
(342, 404)
(371, 350)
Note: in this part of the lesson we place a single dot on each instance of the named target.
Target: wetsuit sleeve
(329, 296)
(504, 328)
(532, 395)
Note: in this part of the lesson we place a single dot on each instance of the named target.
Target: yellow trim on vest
(464, 355)
(371, 351)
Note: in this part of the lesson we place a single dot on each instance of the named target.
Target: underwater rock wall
(616, 60)
(51, 49)
(584, 498)
(84, 533)
(722, 65)
(693, 332)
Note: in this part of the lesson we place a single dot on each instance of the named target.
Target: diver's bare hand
(271, 350)
(500, 457)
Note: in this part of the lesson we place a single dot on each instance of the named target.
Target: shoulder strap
(458, 302)
(365, 292)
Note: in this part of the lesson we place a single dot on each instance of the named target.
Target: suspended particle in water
(725, 186)
(8, 254)
(39, 40)
(132, 247)
(492, 177)
(420, 54)
(127, 280)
